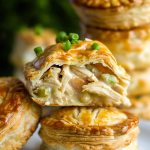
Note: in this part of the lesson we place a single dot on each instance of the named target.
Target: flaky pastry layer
(116, 18)
(130, 47)
(75, 77)
(57, 146)
(26, 41)
(88, 128)
(19, 115)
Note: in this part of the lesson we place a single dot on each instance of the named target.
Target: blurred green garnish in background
(55, 14)
(38, 30)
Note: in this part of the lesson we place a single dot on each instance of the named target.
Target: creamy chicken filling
(81, 84)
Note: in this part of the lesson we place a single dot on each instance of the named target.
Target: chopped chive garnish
(65, 38)
(38, 50)
(67, 45)
(61, 36)
(75, 41)
(38, 30)
(73, 36)
(95, 46)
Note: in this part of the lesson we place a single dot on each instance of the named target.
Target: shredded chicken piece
(66, 76)
(69, 90)
(118, 88)
(84, 73)
(101, 89)
(52, 76)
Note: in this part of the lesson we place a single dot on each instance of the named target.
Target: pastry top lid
(79, 55)
(90, 119)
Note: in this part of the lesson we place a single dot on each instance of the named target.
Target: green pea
(43, 91)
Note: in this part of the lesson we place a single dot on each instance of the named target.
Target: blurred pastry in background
(81, 74)
(129, 47)
(25, 42)
(113, 14)
(140, 106)
(140, 82)
(19, 115)
(85, 128)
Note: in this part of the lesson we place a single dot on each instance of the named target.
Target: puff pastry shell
(89, 128)
(130, 47)
(113, 14)
(26, 41)
(69, 79)
(19, 115)
(140, 106)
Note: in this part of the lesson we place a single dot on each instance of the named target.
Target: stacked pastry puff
(124, 27)
(86, 81)
(25, 41)
(19, 115)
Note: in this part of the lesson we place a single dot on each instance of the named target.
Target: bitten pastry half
(130, 47)
(89, 128)
(81, 76)
(19, 115)
(140, 82)
(140, 106)
(26, 40)
(113, 14)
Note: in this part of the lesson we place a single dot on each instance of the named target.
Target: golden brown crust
(109, 4)
(140, 106)
(26, 41)
(19, 115)
(130, 47)
(79, 56)
(83, 127)
(81, 119)
(121, 17)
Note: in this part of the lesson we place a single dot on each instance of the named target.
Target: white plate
(143, 139)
